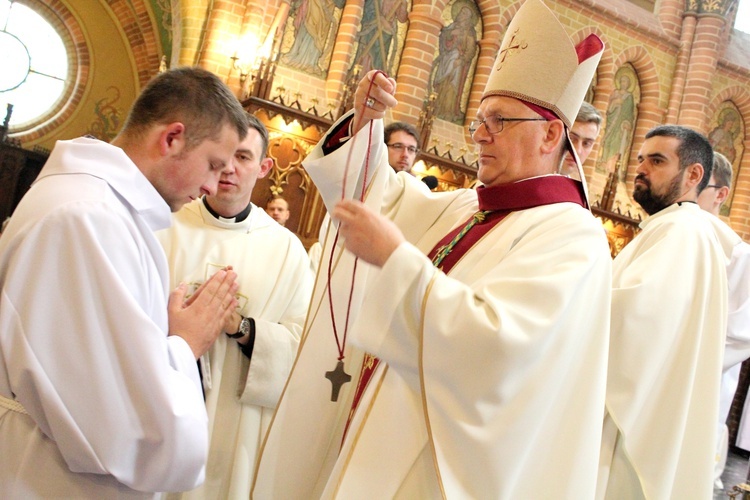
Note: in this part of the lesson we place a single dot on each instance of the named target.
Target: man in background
(737, 347)
(99, 391)
(402, 140)
(278, 208)
(245, 371)
(583, 135)
(669, 311)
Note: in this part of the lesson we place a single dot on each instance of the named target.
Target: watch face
(244, 329)
(245, 326)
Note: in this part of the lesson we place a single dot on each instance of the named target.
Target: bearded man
(669, 310)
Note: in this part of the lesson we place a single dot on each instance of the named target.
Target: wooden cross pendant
(338, 377)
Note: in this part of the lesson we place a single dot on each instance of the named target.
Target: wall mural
(108, 117)
(381, 36)
(163, 15)
(622, 113)
(309, 35)
(727, 131)
(455, 60)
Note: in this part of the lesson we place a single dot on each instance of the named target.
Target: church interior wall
(118, 46)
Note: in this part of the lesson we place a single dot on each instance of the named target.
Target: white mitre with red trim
(539, 64)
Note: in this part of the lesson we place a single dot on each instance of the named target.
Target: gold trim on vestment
(355, 439)
(421, 382)
(309, 320)
(421, 348)
(12, 405)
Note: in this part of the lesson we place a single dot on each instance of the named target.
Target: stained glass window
(35, 63)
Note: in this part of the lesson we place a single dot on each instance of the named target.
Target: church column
(700, 71)
(681, 68)
(188, 21)
(338, 71)
(670, 15)
(488, 49)
(416, 61)
(223, 26)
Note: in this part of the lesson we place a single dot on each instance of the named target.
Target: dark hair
(588, 114)
(253, 122)
(193, 96)
(693, 148)
(431, 181)
(276, 197)
(722, 170)
(400, 126)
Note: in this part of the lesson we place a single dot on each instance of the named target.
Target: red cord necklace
(338, 376)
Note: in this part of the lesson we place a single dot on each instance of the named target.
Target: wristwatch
(244, 329)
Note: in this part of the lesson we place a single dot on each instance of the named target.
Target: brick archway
(136, 21)
(650, 113)
(740, 96)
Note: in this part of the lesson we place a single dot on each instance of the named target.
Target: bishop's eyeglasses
(401, 147)
(494, 123)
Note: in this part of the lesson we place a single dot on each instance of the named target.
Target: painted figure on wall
(380, 41)
(621, 118)
(457, 51)
(726, 138)
(728, 126)
(312, 24)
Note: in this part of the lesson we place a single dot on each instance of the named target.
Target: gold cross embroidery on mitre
(512, 48)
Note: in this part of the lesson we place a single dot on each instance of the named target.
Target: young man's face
(583, 136)
(659, 181)
(712, 196)
(278, 209)
(187, 175)
(238, 177)
(402, 151)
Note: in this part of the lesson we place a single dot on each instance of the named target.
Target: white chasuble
(275, 282)
(479, 369)
(669, 311)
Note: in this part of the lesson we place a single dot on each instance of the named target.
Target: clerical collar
(676, 203)
(237, 218)
(528, 193)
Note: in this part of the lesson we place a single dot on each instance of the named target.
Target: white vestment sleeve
(276, 343)
(350, 161)
(738, 324)
(182, 359)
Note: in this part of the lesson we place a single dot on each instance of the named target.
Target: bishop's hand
(367, 234)
(372, 101)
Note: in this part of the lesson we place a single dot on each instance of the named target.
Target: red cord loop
(341, 345)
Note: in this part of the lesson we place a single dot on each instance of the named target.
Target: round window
(35, 66)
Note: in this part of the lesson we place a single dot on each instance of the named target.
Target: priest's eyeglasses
(400, 147)
(494, 123)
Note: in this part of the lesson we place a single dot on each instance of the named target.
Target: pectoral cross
(338, 377)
